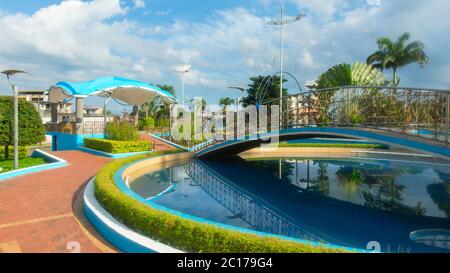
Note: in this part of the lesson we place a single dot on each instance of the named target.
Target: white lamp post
(15, 90)
(281, 23)
(184, 69)
(238, 101)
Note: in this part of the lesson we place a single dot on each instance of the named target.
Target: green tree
(168, 88)
(358, 74)
(347, 75)
(264, 89)
(31, 129)
(396, 54)
(225, 102)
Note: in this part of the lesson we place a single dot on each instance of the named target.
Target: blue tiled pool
(344, 202)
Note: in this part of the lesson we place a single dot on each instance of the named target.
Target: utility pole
(281, 23)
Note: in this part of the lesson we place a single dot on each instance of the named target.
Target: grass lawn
(8, 165)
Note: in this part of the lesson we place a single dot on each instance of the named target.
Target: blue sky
(225, 41)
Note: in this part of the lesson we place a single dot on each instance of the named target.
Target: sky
(224, 41)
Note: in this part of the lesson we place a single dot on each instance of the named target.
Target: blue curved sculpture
(130, 91)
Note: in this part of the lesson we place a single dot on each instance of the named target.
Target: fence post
(447, 119)
(390, 109)
(348, 107)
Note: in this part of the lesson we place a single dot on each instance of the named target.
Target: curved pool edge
(119, 235)
(125, 171)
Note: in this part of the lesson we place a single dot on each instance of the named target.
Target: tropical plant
(346, 75)
(31, 129)
(396, 54)
(225, 102)
(264, 90)
(121, 131)
(358, 74)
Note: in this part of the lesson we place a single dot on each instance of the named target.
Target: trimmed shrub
(121, 131)
(117, 147)
(182, 233)
(31, 129)
(23, 152)
(148, 123)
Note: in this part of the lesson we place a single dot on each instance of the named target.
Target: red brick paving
(37, 211)
(159, 145)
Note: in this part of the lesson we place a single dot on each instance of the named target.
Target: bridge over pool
(416, 119)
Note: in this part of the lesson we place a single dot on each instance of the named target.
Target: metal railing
(255, 212)
(410, 111)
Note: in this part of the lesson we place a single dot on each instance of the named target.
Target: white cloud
(78, 40)
(139, 4)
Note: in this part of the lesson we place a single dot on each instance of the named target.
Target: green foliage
(149, 123)
(263, 89)
(121, 131)
(31, 129)
(396, 54)
(23, 152)
(181, 233)
(346, 75)
(27, 162)
(225, 102)
(117, 147)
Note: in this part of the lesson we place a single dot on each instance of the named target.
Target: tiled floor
(43, 212)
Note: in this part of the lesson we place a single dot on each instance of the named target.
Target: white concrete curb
(118, 232)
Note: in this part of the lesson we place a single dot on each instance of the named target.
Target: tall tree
(264, 89)
(225, 102)
(396, 54)
(31, 129)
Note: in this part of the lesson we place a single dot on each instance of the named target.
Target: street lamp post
(242, 89)
(15, 90)
(184, 69)
(281, 23)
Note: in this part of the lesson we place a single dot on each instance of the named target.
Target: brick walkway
(159, 145)
(43, 212)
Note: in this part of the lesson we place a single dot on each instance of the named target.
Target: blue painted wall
(67, 142)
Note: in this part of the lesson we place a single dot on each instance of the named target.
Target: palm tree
(393, 55)
(225, 102)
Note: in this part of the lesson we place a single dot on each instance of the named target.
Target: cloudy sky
(225, 41)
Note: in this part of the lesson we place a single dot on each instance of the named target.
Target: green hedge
(23, 152)
(121, 131)
(182, 233)
(117, 147)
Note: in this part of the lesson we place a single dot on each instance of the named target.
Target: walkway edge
(56, 163)
(115, 232)
(108, 155)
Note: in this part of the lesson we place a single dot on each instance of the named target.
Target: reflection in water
(345, 202)
(257, 213)
(370, 184)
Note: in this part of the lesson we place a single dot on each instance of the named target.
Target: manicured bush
(182, 233)
(23, 152)
(163, 123)
(148, 123)
(31, 129)
(117, 147)
(121, 131)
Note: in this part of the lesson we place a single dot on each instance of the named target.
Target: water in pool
(345, 202)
